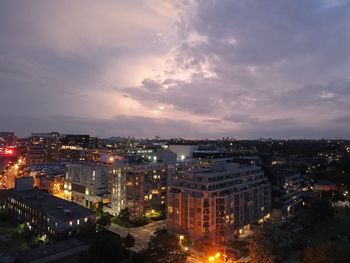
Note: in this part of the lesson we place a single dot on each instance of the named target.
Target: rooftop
(50, 205)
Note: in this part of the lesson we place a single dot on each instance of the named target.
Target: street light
(181, 237)
(212, 258)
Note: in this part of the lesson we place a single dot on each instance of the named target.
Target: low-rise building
(86, 183)
(50, 217)
(48, 177)
(183, 151)
(287, 186)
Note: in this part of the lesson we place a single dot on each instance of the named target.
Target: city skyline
(243, 69)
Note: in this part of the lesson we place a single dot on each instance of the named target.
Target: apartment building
(217, 200)
(86, 183)
(130, 182)
(7, 139)
(146, 187)
(43, 148)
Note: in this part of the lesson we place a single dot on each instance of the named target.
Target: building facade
(287, 186)
(146, 187)
(48, 216)
(7, 139)
(43, 148)
(139, 186)
(87, 183)
(217, 200)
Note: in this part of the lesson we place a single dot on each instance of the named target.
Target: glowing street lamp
(181, 237)
(216, 256)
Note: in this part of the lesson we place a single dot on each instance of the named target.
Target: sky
(192, 69)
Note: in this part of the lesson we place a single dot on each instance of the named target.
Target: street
(142, 234)
(8, 178)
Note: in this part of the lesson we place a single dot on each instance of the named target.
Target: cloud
(118, 125)
(248, 68)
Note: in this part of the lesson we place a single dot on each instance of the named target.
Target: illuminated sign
(9, 151)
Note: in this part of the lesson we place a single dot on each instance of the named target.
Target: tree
(164, 248)
(129, 241)
(107, 248)
(319, 253)
(104, 220)
(99, 209)
(124, 215)
(260, 250)
(24, 231)
(269, 244)
(321, 210)
(318, 212)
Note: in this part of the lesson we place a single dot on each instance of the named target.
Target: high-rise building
(140, 187)
(7, 139)
(217, 200)
(76, 147)
(146, 187)
(43, 148)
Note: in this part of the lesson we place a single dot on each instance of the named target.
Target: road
(142, 234)
(8, 178)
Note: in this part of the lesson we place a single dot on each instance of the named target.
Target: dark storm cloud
(119, 125)
(275, 64)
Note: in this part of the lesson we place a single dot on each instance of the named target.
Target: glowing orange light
(212, 258)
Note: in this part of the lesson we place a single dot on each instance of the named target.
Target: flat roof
(49, 204)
